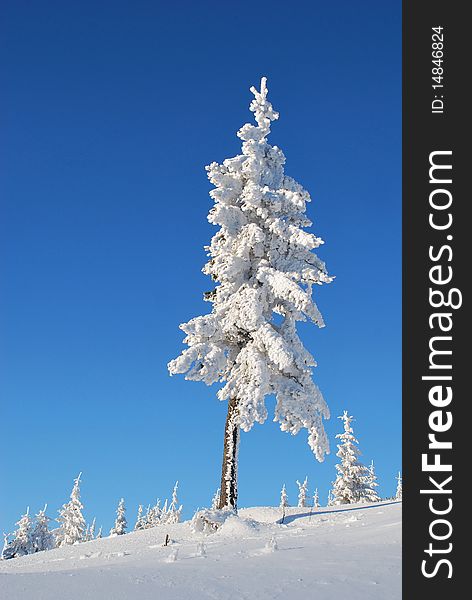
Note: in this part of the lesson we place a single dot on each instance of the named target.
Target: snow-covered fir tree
(263, 264)
(330, 498)
(283, 498)
(174, 511)
(92, 530)
(148, 520)
(215, 501)
(349, 486)
(399, 492)
(302, 493)
(42, 538)
(316, 499)
(370, 483)
(156, 514)
(99, 534)
(119, 528)
(24, 535)
(164, 510)
(71, 520)
(140, 519)
(20, 542)
(8, 550)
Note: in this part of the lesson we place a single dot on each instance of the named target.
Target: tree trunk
(229, 472)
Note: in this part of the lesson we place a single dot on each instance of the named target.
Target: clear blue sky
(110, 112)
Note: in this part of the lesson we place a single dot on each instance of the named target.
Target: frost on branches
(72, 522)
(350, 484)
(120, 525)
(264, 267)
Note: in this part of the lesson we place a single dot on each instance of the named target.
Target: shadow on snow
(315, 513)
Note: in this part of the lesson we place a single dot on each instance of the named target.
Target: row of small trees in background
(354, 483)
(33, 534)
(155, 515)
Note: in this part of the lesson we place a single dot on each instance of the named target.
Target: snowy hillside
(349, 551)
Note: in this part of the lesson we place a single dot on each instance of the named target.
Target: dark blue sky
(110, 110)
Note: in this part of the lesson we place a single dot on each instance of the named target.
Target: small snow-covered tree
(140, 519)
(316, 499)
(349, 486)
(92, 530)
(302, 493)
(99, 534)
(215, 501)
(330, 498)
(71, 520)
(156, 513)
(399, 492)
(42, 538)
(370, 483)
(20, 542)
(163, 515)
(8, 550)
(119, 528)
(283, 498)
(265, 270)
(148, 519)
(174, 510)
(23, 536)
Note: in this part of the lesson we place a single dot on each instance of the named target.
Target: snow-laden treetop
(263, 262)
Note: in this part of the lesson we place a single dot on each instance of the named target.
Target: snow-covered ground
(348, 552)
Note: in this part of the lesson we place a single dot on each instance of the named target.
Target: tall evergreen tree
(72, 522)
(349, 486)
(120, 525)
(264, 267)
